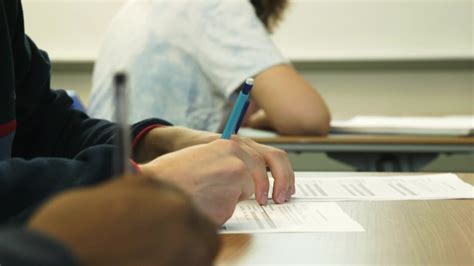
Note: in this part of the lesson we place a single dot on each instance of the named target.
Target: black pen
(122, 157)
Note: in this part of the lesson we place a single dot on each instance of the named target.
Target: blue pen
(238, 111)
(242, 115)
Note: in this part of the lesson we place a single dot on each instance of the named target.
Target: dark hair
(269, 12)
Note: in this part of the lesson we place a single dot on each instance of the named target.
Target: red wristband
(143, 133)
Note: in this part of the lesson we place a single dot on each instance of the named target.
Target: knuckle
(279, 153)
(233, 147)
(258, 158)
(238, 168)
(229, 146)
(246, 139)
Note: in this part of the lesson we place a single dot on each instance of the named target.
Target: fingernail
(293, 190)
(264, 198)
(282, 197)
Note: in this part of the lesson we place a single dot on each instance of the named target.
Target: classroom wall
(312, 29)
(396, 90)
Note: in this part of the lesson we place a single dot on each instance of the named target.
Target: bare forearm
(300, 119)
(163, 140)
(286, 127)
(291, 105)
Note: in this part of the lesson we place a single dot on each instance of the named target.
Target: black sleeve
(25, 184)
(55, 147)
(28, 248)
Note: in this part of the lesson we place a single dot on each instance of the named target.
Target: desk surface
(397, 232)
(360, 143)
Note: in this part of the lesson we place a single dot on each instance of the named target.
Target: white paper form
(415, 187)
(445, 125)
(250, 217)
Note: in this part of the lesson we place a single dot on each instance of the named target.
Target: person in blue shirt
(188, 58)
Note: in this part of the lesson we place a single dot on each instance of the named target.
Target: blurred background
(379, 57)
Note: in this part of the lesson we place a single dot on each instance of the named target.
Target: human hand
(277, 162)
(219, 174)
(129, 221)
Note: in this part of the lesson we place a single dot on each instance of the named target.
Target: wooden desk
(433, 232)
(398, 153)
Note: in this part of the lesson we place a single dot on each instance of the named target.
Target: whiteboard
(313, 30)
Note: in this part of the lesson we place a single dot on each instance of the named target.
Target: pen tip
(249, 81)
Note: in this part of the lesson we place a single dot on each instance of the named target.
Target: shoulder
(232, 17)
(230, 7)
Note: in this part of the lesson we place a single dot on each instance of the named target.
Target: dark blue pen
(238, 111)
(242, 115)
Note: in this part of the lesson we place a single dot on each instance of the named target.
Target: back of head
(270, 12)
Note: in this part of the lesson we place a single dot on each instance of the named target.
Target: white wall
(71, 30)
(377, 30)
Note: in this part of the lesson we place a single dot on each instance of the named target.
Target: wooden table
(436, 232)
(399, 153)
